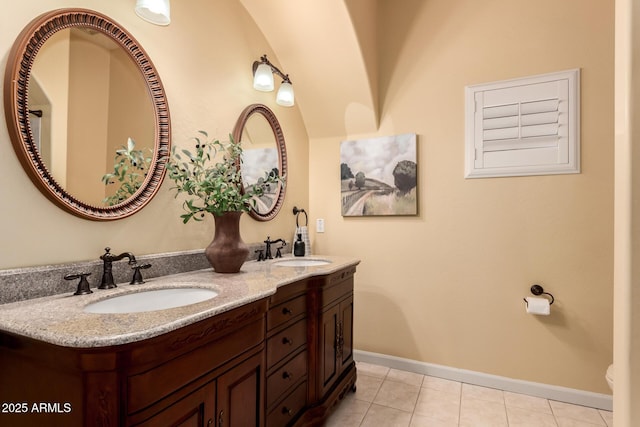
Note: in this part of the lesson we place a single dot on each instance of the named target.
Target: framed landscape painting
(378, 176)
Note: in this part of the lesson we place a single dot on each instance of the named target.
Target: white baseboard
(552, 392)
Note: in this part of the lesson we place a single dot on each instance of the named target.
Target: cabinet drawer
(286, 377)
(282, 313)
(286, 411)
(286, 342)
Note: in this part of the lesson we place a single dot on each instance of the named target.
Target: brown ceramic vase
(227, 252)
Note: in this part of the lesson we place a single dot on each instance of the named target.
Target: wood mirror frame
(271, 118)
(16, 91)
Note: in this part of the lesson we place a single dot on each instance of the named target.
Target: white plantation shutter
(527, 126)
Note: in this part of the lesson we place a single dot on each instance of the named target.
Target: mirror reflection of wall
(49, 84)
(98, 99)
(35, 120)
(40, 119)
(260, 157)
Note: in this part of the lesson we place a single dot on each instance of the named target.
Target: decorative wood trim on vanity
(341, 275)
(219, 325)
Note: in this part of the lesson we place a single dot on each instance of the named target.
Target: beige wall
(51, 70)
(446, 286)
(88, 122)
(131, 112)
(204, 59)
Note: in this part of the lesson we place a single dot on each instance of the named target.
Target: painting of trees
(404, 175)
(379, 176)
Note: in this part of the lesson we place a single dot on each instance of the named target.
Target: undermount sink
(157, 299)
(302, 262)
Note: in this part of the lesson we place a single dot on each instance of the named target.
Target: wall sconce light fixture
(155, 11)
(263, 72)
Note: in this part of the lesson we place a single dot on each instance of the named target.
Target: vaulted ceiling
(328, 48)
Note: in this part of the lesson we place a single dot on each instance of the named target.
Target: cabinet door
(336, 342)
(241, 394)
(329, 328)
(197, 409)
(346, 332)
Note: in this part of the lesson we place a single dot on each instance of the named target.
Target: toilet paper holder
(539, 290)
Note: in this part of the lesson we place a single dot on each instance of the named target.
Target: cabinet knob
(286, 340)
(210, 422)
(287, 411)
(287, 375)
(220, 419)
(286, 310)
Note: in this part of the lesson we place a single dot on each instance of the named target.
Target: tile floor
(391, 398)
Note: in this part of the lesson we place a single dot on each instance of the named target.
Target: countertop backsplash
(34, 282)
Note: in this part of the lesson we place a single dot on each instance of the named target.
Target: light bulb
(263, 78)
(285, 95)
(155, 11)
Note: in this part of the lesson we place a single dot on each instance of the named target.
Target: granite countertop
(61, 320)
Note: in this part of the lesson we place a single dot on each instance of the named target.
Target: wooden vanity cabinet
(333, 368)
(319, 373)
(210, 373)
(285, 360)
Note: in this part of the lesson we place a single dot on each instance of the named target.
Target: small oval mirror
(264, 152)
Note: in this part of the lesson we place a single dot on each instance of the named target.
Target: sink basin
(157, 299)
(302, 262)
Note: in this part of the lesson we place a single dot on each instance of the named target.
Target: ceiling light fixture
(263, 72)
(155, 11)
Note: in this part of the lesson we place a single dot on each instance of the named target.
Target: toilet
(609, 376)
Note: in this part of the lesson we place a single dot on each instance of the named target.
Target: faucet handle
(278, 251)
(83, 285)
(107, 254)
(260, 253)
(137, 275)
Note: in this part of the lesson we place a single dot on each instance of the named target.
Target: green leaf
(130, 168)
(211, 178)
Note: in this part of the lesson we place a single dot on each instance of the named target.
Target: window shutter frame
(533, 130)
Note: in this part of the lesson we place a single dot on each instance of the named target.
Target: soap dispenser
(298, 246)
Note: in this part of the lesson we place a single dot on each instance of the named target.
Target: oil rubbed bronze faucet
(108, 258)
(267, 249)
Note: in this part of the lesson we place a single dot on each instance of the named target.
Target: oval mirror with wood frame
(87, 114)
(263, 152)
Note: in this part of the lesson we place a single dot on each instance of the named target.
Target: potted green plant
(209, 174)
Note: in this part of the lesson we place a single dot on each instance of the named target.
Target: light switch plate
(320, 225)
